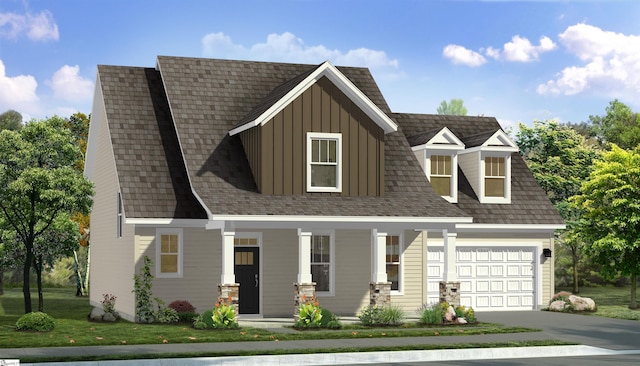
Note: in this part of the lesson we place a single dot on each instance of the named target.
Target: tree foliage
(610, 202)
(619, 126)
(455, 107)
(10, 120)
(39, 190)
(560, 160)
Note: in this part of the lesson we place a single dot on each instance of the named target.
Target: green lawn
(612, 302)
(73, 329)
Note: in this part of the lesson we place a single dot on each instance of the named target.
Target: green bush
(431, 314)
(392, 315)
(370, 315)
(37, 321)
(187, 316)
(204, 320)
(309, 315)
(329, 320)
(224, 316)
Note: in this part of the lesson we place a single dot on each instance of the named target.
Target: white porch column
(304, 256)
(228, 275)
(379, 252)
(449, 256)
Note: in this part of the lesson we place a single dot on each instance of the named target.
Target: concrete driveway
(614, 334)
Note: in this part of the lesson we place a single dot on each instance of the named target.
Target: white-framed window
(169, 256)
(441, 175)
(394, 262)
(494, 176)
(324, 162)
(119, 216)
(322, 263)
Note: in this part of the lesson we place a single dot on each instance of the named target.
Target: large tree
(560, 160)
(620, 125)
(454, 108)
(39, 190)
(610, 202)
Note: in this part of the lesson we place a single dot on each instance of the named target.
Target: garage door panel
(490, 278)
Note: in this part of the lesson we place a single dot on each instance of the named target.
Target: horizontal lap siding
(202, 266)
(279, 271)
(352, 272)
(277, 153)
(111, 268)
(548, 280)
(412, 295)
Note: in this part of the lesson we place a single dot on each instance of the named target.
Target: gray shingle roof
(529, 203)
(209, 97)
(153, 179)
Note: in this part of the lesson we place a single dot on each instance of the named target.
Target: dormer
(486, 162)
(316, 133)
(437, 151)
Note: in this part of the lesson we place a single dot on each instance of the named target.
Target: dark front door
(247, 270)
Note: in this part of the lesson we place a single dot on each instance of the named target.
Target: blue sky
(517, 61)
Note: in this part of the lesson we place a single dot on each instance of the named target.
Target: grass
(612, 302)
(73, 329)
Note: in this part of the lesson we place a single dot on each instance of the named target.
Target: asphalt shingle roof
(205, 98)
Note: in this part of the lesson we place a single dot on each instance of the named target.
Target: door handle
(256, 278)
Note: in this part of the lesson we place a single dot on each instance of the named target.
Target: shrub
(165, 314)
(329, 320)
(182, 306)
(310, 313)
(204, 320)
(370, 315)
(187, 317)
(392, 315)
(224, 315)
(142, 289)
(109, 304)
(431, 314)
(562, 296)
(37, 321)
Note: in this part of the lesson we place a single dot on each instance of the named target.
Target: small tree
(143, 282)
(610, 202)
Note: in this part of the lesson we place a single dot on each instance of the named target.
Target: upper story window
(494, 176)
(169, 253)
(324, 162)
(119, 216)
(441, 174)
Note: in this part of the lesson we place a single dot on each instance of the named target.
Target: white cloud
(37, 27)
(286, 47)
(18, 92)
(611, 64)
(520, 49)
(67, 84)
(462, 56)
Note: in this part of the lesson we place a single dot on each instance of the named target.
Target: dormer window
(441, 175)
(437, 151)
(486, 164)
(324, 162)
(494, 176)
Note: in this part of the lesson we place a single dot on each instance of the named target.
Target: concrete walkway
(597, 336)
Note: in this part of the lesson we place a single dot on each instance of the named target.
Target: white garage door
(490, 278)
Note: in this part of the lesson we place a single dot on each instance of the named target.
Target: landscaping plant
(36, 321)
(224, 315)
(310, 313)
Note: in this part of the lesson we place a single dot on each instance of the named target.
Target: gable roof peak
(288, 92)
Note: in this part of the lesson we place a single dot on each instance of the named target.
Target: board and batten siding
(277, 151)
(113, 272)
(201, 266)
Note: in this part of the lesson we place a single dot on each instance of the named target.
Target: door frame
(258, 237)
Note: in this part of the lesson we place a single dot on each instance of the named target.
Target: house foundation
(228, 293)
(302, 292)
(450, 292)
(379, 293)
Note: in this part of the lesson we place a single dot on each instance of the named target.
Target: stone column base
(302, 292)
(450, 292)
(380, 293)
(228, 293)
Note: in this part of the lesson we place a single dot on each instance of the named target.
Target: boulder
(582, 303)
(462, 321)
(557, 305)
(450, 315)
(108, 317)
(96, 314)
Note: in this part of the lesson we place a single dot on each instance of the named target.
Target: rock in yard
(462, 321)
(450, 315)
(96, 314)
(108, 317)
(582, 303)
(557, 305)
